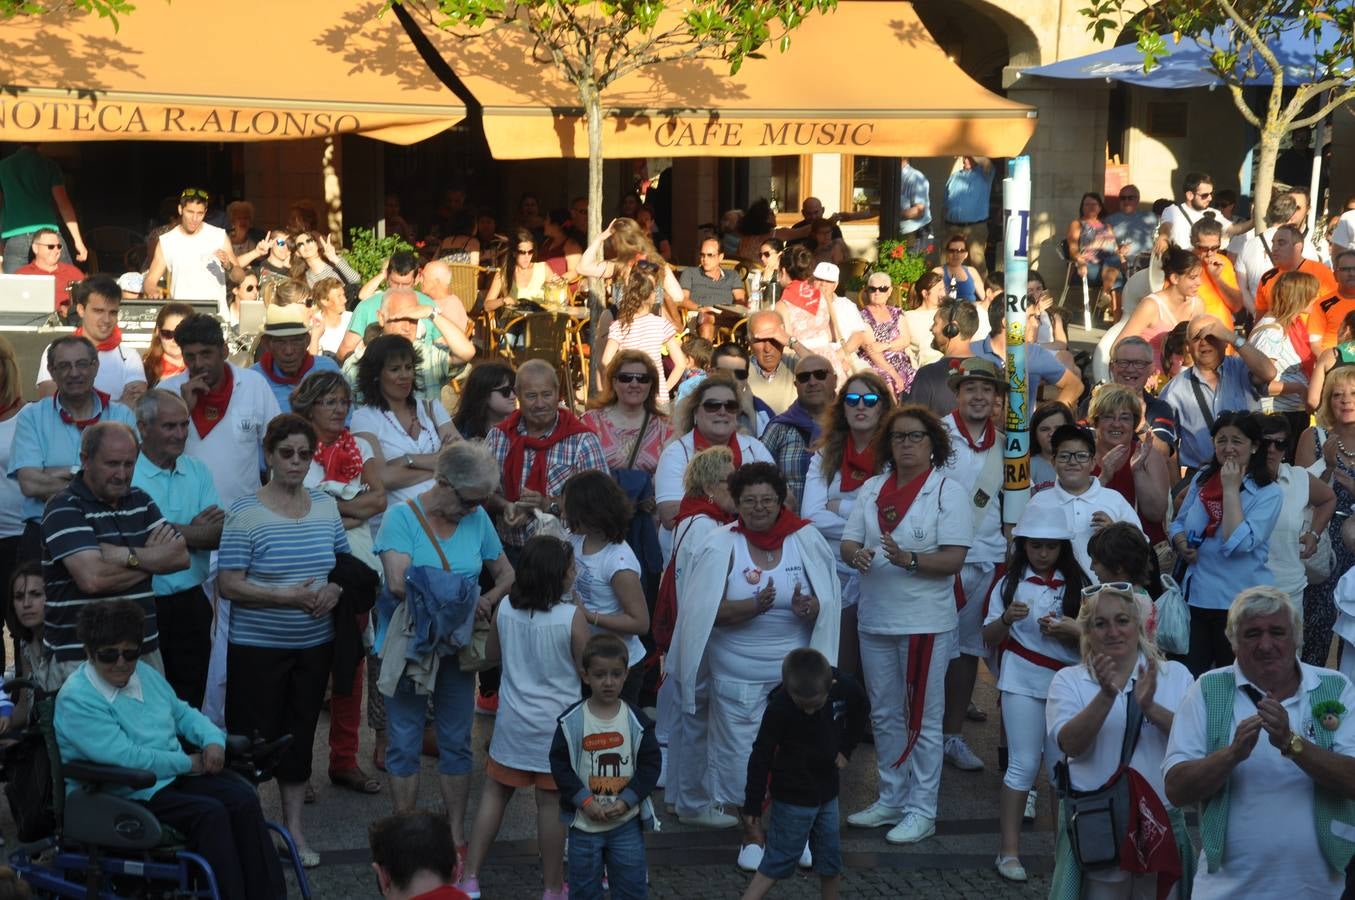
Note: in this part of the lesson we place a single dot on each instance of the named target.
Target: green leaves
(108, 9)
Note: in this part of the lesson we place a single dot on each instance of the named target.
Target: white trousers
(214, 701)
(914, 785)
(688, 751)
(1027, 740)
(975, 581)
(735, 714)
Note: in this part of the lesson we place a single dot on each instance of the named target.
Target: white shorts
(975, 579)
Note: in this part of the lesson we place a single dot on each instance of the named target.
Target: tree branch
(1338, 99)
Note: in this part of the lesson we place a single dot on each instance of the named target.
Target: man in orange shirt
(1329, 310)
(1219, 290)
(1286, 252)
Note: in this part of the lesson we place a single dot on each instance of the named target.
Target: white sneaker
(711, 817)
(960, 756)
(750, 857)
(875, 815)
(806, 858)
(663, 767)
(1029, 814)
(912, 829)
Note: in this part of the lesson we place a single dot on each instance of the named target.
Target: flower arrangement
(899, 263)
(367, 253)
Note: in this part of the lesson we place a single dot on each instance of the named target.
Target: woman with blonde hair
(1087, 711)
(631, 247)
(1282, 335)
(1125, 460)
(637, 327)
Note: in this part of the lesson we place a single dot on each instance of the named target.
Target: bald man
(1216, 383)
(402, 314)
(789, 436)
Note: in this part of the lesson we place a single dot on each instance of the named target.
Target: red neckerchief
(856, 466)
(786, 524)
(110, 343)
(1049, 581)
(802, 294)
(82, 424)
(168, 368)
(701, 506)
(566, 425)
(341, 460)
(210, 409)
(987, 440)
(1211, 495)
(700, 443)
(1149, 845)
(895, 500)
(271, 372)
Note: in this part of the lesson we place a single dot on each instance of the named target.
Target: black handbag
(1098, 820)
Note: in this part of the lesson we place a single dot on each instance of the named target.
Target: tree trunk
(592, 104)
(1268, 151)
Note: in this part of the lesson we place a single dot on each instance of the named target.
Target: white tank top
(539, 683)
(194, 271)
(753, 651)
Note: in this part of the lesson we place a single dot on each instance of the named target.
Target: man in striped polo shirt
(104, 539)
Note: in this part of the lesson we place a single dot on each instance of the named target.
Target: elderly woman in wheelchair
(114, 712)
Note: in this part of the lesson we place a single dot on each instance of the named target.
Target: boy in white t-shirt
(605, 761)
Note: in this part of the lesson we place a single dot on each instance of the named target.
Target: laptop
(33, 295)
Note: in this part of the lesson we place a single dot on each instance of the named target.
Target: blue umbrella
(1187, 66)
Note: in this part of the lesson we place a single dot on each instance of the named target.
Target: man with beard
(789, 436)
(953, 329)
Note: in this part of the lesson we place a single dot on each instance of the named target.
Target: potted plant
(903, 266)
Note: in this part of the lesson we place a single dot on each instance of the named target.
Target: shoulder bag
(1098, 820)
(470, 658)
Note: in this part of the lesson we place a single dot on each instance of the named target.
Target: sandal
(309, 858)
(355, 780)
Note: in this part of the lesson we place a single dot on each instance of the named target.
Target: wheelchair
(100, 846)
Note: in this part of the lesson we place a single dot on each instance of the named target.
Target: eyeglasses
(908, 437)
(878, 289)
(80, 365)
(753, 500)
(1073, 456)
(739, 374)
(1132, 363)
(1279, 443)
(714, 406)
(816, 374)
(505, 391)
(854, 399)
(56, 246)
(194, 194)
(110, 655)
(638, 377)
(289, 452)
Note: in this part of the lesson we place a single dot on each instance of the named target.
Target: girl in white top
(1032, 624)
(539, 637)
(608, 585)
(638, 327)
(907, 607)
(1085, 717)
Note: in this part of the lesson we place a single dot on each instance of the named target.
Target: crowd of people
(743, 560)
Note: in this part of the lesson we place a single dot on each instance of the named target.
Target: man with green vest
(1266, 747)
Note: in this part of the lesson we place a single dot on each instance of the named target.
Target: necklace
(1340, 445)
(413, 431)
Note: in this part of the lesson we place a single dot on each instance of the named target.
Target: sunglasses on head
(855, 399)
(645, 265)
(194, 194)
(633, 377)
(289, 452)
(713, 406)
(816, 374)
(1123, 587)
(109, 655)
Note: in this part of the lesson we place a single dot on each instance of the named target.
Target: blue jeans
(406, 714)
(791, 827)
(621, 851)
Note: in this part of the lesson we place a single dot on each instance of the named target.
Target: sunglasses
(877, 289)
(816, 374)
(633, 377)
(527, 252)
(714, 406)
(169, 335)
(289, 452)
(854, 399)
(304, 242)
(1278, 443)
(110, 655)
(1092, 590)
(739, 374)
(505, 391)
(49, 246)
(281, 242)
(194, 194)
(955, 249)
(249, 288)
(645, 265)
(1213, 248)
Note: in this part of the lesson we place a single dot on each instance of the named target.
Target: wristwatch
(409, 461)
(1293, 747)
(133, 562)
(553, 509)
(911, 565)
(1238, 342)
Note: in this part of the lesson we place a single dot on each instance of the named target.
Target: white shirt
(1252, 261)
(593, 583)
(819, 492)
(1343, 235)
(1079, 509)
(896, 602)
(231, 450)
(118, 368)
(331, 338)
(11, 498)
(1269, 797)
(688, 537)
(1016, 674)
(965, 468)
(673, 465)
(1284, 562)
(540, 681)
(1182, 217)
(195, 273)
(395, 441)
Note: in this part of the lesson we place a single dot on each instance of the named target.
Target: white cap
(131, 282)
(826, 271)
(1043, 525)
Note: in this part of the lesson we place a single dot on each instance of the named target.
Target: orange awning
(866, 79)
(244, 70)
